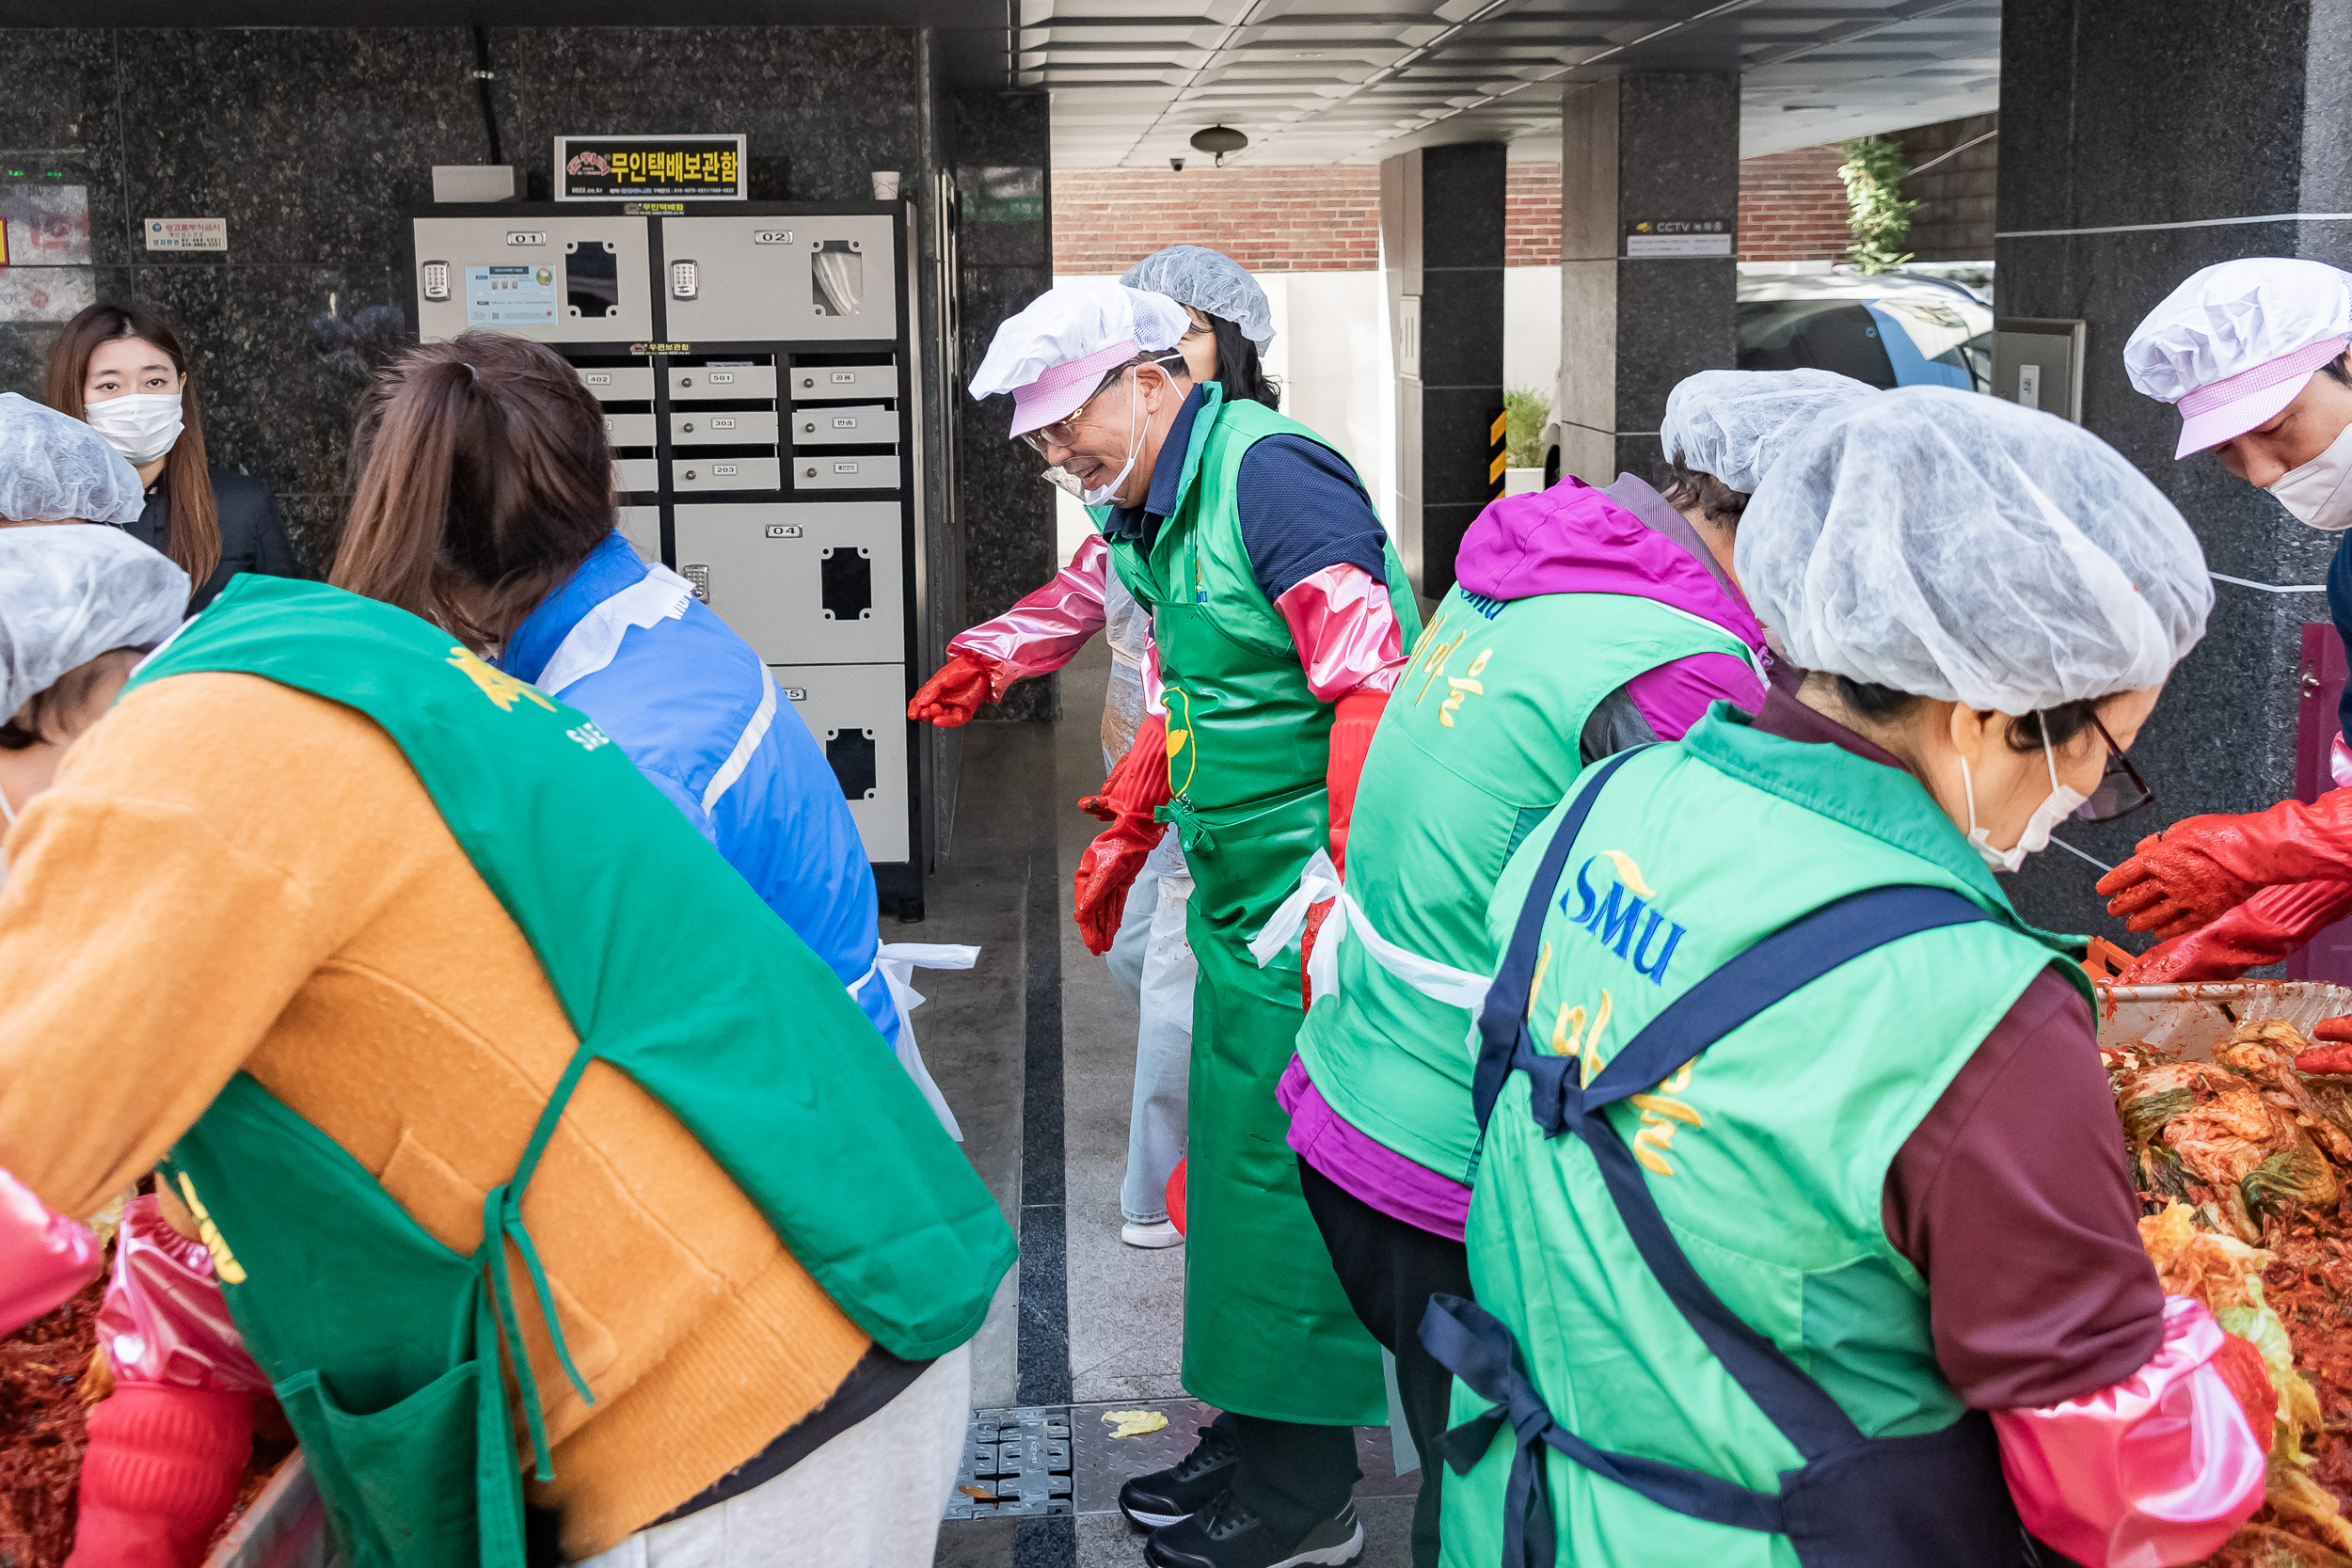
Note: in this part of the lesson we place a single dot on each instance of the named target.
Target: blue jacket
(697, 712)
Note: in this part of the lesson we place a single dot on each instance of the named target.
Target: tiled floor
(1116, 1320)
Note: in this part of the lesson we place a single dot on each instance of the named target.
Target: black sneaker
(1179, 1491)
(1227, 1535)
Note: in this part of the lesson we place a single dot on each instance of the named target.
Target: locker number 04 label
(784, 531)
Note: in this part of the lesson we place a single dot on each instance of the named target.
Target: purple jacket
(1575, 539)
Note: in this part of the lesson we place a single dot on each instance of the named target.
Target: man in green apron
(1280, 616)
(521, 1132)
(1577, 626)
(1765, 1226)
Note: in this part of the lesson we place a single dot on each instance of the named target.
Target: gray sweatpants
(869, 1499)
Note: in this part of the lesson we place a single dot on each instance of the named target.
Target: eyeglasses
(1063, 432)
(2120, 790)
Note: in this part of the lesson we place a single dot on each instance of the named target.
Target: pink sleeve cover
(1045, 631)
(2159, 1468)
(44, 1258)
(164, 1320)
(1346, 635)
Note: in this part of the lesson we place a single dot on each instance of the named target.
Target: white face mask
(8, 816)
(2059, 805)
(1100, 494)
(141, 426)
(2320, 491)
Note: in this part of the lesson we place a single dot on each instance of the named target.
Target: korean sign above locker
(598, 168)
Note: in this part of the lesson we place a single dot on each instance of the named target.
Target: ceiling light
(1219, 139)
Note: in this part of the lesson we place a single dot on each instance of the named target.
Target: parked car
(1896, 330)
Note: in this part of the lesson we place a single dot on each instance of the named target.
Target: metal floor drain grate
(1016, 1464)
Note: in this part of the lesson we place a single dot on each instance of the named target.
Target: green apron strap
(503, 1220)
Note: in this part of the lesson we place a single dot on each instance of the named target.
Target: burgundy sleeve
(2015, 1199)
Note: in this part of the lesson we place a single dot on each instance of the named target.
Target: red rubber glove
(2201, 867)
(1137, 788)
(953, 696)
(2335, 1055)
(2272, 924)
(164, 1465)
(1176, 1196)
(1141, 776)
(1353, 718)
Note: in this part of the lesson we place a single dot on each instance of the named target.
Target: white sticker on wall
(187, 234)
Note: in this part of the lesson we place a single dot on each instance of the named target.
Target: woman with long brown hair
(483, 502)
(121, 369)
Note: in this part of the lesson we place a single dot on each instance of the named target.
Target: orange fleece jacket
(230, 874)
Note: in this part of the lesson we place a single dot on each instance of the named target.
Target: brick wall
(1792, 206)
(1276, 217)
(1531, 235)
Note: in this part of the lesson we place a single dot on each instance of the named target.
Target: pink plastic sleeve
(1346, 634)
(2161, 1467)
(44, 1258)
(164, 1320)
(2339, 762)
(1045, 631)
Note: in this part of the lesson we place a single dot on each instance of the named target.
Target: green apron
(1767, 1154)
(1267, 1329)
(1479, 743)
(390, 1353)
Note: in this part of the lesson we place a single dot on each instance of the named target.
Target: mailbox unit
(754, 366)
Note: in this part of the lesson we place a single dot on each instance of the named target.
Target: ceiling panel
(1360, 80)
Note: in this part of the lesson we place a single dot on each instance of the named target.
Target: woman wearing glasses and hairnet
(1231, 325)
(1799, 1157)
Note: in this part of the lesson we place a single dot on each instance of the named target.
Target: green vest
(1479, 742)
(1767, 1155)
(1267, 1329)
(384, 1347)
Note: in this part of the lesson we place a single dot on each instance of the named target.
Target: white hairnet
(1072, 322)
(53, 468)
(1734, 423)
(1208, 281)
(74, 590)
(1959, 546)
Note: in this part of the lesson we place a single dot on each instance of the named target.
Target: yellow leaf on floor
(1134, 1423)
(979, 1494)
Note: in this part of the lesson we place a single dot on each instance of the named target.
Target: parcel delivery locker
(554, 279)
(845, 425)
(858, 714)
(737, 279)
(802, 584)
(642, 527)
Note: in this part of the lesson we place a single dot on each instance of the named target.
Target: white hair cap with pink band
(2233, 344)
(1053, 354)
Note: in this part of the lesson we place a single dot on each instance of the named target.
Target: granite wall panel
(313, 142)
(1005, 259)
(2223, 737)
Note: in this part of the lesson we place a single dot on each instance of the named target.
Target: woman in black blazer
(121, 369)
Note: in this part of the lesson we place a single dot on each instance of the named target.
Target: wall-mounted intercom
(752, 365)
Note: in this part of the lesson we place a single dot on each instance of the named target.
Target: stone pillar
(1442, 234)
(1649, 209)
(2254, 122)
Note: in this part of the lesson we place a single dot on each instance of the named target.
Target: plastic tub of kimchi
(284, 1527)
(2187, 1021)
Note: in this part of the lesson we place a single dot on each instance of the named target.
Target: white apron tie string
(1320, 879)
(896, 962)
